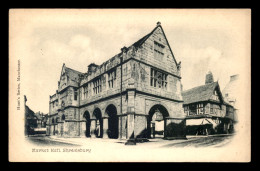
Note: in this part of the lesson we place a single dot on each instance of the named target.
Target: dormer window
(158, 50)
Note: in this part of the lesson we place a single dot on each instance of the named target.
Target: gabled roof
(40, 116)
(29, 114)
(143, 39)
(71, 72)
(200, 93)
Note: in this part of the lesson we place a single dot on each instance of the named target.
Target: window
(215, 96)
(63, 117)
(111, 79)
(97, 86)
(62, 103)
(158, 50)
(85, 91)
(75, 95)
(211, 108)
(229, 111)
(215, 109)
(158, 79)
(186, 110)
(200, 108)
(193, 109)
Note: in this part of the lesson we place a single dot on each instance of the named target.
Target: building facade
(41, 119)
(119, 98)
(207, 111)
(230, 93)
(30, 121)
(35, 123)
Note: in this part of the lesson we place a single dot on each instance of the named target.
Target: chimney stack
(92, 67)
(209, 78)
(124, 49)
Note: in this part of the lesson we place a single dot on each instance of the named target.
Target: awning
(212, 122)
(202, 121)
(190, 122)
(39, 129)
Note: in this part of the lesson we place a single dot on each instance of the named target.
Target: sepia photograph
(129, 85)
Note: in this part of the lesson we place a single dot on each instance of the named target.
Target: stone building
(30, 121)
(230, 93)
(119, 98)
(206, 109)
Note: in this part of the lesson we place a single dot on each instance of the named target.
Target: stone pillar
(140, 127)
(93, 128)
(105, 127)
(83, 128)
(130, 117)
(122, 119)
(119, 127)
(175, 128)
(130, 113)
(130, 126)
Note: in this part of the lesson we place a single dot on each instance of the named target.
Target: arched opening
(63, 117)
(99, 123)
(86, 115)
(112, 121)
(156, 121)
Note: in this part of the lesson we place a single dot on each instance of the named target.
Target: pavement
(192, 141)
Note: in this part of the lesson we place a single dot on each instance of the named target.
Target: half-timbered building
(207, 111)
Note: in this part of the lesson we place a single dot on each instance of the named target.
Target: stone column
(119, 127)
(140, 126)
(105, 127)
(83, 128)
(122, 126)
(93, 128)
(130, 126)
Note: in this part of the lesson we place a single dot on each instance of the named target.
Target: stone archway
(99, 123)
(156, 121)
(111, 112)
(86, 115)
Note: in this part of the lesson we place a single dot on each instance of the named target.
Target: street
(192, 141)
(43, 140)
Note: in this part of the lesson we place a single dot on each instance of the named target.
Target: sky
(203, 40)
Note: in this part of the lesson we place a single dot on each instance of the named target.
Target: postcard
(129, 85)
